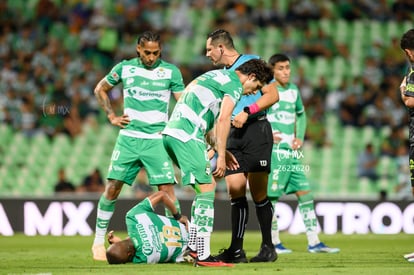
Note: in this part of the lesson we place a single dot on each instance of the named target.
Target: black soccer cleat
(229, 256)
(266, 254)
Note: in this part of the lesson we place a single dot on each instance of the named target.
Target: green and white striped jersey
(156, 238)
(282, 115)
(199, 106)
(147, 94)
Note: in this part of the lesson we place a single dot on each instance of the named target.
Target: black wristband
(177, 216)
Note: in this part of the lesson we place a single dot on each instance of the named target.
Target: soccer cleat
(280, 249)
(266, 254)
(99, 252)
(211, 262)
(229, 256)
(190, 255)
(409, 256)
(411, 260)
(322, 248)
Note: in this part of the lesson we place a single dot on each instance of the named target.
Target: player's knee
(113, 189)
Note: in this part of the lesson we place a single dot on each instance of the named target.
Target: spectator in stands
(63, 185)
(320, 90)
(376, 114)
(351, 111)
(367, 164)
(391, 143)
(316, 131)
(92, 183)
(403, 187)
(317, 44)
(335, 97)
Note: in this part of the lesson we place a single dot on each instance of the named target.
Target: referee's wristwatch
(246, 110)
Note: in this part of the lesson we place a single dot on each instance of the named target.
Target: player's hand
(220, 167)
(296, 144)
(276, 137)
(231, 161)
(240, 119)
(112, 238)
(184, 220)
(120, 121)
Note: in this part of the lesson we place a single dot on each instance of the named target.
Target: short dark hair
(120, 252)
(258, 67)
(221, 36)
(113, 258)
(278, 57)
(407, 40)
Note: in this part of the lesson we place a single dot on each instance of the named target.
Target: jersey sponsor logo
(147, 247)
(159, 84)
(116, 168)
(155, 237)
(149, 94)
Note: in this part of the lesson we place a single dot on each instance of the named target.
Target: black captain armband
(177, 216)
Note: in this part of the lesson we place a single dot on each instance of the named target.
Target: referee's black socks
(239, 218)
(264, 212)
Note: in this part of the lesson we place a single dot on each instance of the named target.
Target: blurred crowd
(54, 52)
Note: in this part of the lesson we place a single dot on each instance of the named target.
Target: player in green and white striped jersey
(287, 175)
(152, 238)
(148, 83)
(208, 101)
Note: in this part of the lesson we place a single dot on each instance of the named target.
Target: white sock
(192, 243)
(203, 247)
(100, 232)
(312, 238)
(275, 228)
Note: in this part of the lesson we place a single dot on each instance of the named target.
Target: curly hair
(258, 67)
(407, 40)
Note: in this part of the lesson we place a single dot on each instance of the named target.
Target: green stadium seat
(6, 134)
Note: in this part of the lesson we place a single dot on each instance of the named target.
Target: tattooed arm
(101, 93)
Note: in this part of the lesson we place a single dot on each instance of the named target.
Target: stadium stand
(29, 163)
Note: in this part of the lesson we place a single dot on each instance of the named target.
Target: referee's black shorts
(252, 146)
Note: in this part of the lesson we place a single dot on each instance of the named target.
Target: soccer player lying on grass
(152, 238)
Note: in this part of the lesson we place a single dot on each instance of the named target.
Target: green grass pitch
(360, 254)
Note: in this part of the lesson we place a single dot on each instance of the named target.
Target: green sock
(307, 210)
(103, 216)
